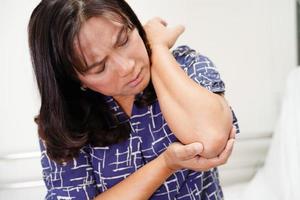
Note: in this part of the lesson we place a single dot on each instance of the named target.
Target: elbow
(213, 130)
(214, 146)
(215, 141)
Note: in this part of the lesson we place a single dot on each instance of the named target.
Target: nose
(123, 65)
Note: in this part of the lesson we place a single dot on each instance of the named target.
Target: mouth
(134, 82)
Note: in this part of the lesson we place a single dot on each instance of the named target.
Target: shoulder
(184, 54)
(199, 68)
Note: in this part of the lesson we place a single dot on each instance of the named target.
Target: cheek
(105, 86)
(139, 49)
(142, 54)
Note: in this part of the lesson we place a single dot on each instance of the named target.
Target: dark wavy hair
(70, 118)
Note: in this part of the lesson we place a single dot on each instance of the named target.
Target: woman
(121, 116)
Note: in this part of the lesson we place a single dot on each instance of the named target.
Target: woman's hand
(159, 34)
(178, 156)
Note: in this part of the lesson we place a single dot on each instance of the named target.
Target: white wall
(253, 43)
(18, 98)
(18, 102)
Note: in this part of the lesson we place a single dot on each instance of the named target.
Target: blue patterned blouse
(97, 169)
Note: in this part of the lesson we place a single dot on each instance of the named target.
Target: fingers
(187, 156)
(186, 152)
(178, 30)
(223, 157)
(159, 34)
(204, 164)
(160, 20)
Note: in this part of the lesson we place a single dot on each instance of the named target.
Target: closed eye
(125, 36)
(100, 69)
(125, 41)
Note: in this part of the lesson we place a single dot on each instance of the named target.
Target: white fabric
(279, 179)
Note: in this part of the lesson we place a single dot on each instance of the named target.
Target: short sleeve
(68, 181)
(202, 70)
(199, 68)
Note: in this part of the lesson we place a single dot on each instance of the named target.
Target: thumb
(177, 30)
(191, 150)
(174, 33)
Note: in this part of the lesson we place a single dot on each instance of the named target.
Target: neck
(126, 103)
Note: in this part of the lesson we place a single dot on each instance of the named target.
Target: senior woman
(123, 117)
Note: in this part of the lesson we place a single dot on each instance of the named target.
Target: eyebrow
(101, 61)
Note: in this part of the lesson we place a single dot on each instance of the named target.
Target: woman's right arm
(141, 184)
(145, 181)
(76, 179)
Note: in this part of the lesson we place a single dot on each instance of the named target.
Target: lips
(136, 80)
(136, 77)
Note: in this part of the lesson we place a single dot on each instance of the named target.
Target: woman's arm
(141, 184)
(145, 181)
(192, 112)
(69, 180)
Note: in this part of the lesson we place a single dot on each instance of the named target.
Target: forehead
(98, 29)
(96, 37)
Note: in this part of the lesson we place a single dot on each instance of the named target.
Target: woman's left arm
(193, 113)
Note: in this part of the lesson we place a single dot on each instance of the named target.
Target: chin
(142, 85)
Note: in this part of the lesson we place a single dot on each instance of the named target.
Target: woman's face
(117, 58)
